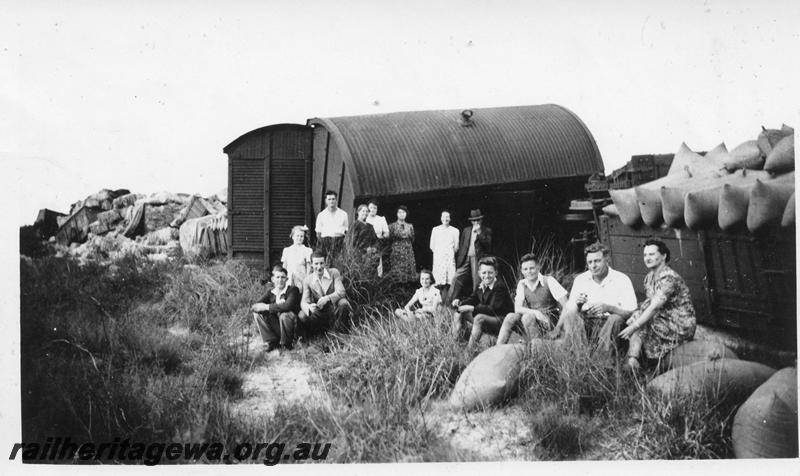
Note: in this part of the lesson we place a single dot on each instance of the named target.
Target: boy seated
(536, 304)
(485, 309)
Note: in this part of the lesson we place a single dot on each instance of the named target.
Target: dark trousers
(276, 328)
(332, 246)
(331, 317)
(468, 270)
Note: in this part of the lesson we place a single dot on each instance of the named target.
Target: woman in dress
(382, 233)
(363, 243)
(427, 296)
(444, 244)
(666, 318)
(297, 257)
(401, 235)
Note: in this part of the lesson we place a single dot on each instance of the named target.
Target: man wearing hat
(475, 243)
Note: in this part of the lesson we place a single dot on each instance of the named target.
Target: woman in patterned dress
(401, 235)
(665, 319)
(444, 243)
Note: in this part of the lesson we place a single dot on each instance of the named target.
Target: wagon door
(288, 179)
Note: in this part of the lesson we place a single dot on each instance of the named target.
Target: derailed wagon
(519, 165)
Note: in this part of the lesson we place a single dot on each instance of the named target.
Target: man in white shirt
(331, 226)
(599, 295)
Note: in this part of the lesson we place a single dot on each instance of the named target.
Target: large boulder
(765, 426)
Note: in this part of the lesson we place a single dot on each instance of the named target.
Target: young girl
(297, 258)
(427, 296)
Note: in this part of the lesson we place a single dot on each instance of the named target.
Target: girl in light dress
(444, 244)
(427, 296)
(297, 257)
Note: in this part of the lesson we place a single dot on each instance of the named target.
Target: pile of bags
(159, 226)
(751, 185)
(765, 425)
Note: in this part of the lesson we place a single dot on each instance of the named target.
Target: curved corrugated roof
(411, 152)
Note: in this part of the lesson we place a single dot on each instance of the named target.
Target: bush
(560, 435)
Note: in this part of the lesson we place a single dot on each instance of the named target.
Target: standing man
(276, 312)
(600, 295)
(324, 305)
(475, 243)
(331, 226)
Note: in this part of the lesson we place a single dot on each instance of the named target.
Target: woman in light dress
(297, 257)
(427, 296)
(444, 244)
(382, 233)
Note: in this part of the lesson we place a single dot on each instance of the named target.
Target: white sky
(144, 95)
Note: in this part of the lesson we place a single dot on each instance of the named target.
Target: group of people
(307, 294)
(383, 247)
(316, 302)
(601, 300)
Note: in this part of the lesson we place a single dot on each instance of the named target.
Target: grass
(152, 352)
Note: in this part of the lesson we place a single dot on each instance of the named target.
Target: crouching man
(484, 310)
(324, 305)
(276, 312)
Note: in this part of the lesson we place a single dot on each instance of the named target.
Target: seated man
(489, 303)
(324, 305)
(276, 312)
(536, 303)
(600, 294)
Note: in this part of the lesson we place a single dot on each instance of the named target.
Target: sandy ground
(498, 434)
(278, 378)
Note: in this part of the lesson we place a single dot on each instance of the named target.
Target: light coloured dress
(675, 322)
(428, 299)
(444, 243)
(295, 259)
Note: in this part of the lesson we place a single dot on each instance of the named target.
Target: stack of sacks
(765, 426)
(205, 236)
(751, 185)
(643, 202)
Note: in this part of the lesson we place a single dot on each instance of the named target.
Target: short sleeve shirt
(616, 289)
(330, 225)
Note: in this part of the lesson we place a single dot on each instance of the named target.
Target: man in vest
(601, 296)
(536, 303)
(324, 305)
(276, 312)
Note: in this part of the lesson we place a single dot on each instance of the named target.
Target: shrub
(560, 435)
